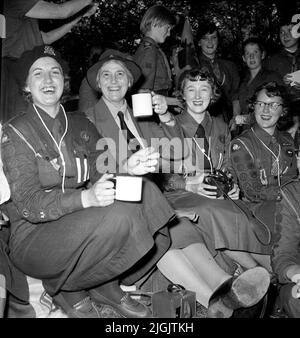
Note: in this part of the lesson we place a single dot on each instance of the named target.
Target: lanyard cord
(276, 157)
(58, 145)
(250, 217)
(203, 152)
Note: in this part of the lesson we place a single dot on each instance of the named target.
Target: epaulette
(78, 118)
(20, 116)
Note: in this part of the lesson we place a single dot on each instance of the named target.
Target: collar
(48, 120)
(260, 73)
(190, 124)
(115, 109)
(264, 136)
(151, 41)
(204, 57)
(291, 54)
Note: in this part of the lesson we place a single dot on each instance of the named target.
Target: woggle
(295, 32)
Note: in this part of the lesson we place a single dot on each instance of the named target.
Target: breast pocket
(49, 175)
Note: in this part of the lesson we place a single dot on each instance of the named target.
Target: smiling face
(113, 81)
(209, 44)
(286, 37)
(45, 82)
(253, 56)
(267, 116)
(197, 95)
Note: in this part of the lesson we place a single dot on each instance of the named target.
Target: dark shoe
(128, 307)
(242, 291)
(83, 309)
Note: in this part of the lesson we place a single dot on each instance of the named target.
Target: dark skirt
(222, 224)
(184, 233)
(89, 247)
(16, 283)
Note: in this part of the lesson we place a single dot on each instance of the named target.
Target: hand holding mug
(101, 194)
(159, 103)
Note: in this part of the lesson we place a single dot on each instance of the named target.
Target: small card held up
(295, 77)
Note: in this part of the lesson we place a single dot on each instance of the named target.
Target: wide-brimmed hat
(108, 55)
(28, 58)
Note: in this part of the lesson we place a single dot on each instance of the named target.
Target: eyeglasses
(272, 105)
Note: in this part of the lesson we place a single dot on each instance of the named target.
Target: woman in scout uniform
(264, 161)
(63, 213)
(187, 262)
(208, 138)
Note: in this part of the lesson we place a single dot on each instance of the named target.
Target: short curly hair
(272, 89)
(206, 27)
(200, 74)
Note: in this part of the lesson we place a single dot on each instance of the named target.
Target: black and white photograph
(150, 162)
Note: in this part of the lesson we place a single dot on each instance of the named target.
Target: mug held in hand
(142, 104)
(128, 188)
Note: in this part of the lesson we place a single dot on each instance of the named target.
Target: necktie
(200, 134)
(218, 73)
(131, 140)
(124, 127)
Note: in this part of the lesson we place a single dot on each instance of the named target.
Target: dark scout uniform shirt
(155, 67)
(284, 63)
(254, 166)
(22, 32)
(35, 172)
(218, 136)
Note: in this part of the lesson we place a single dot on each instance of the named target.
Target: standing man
(287, 61)
(23, 33)
(224, 72)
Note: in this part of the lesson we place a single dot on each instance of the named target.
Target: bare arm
(56, 34)
(48, 10)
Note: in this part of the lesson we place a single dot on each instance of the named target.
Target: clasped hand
(142, 162)
(196, 185)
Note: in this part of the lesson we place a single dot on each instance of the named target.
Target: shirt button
(25, 213)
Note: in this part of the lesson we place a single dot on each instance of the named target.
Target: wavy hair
(272, 89)
(200, 74)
